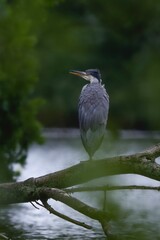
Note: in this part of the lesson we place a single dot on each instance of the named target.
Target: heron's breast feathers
(93, 107)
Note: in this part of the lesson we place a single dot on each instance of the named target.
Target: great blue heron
(93, 110)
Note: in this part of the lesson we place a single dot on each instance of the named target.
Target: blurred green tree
(18, 75)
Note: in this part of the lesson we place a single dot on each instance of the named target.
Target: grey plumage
(93, 110)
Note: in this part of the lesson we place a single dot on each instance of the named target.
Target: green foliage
(44, 39)
(18, 75)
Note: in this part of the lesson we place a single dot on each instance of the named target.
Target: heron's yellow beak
(78, 73)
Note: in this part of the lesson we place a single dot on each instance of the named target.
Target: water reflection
(137, 210)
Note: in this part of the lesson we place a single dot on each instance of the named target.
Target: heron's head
(92, 75)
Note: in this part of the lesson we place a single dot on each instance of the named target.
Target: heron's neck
(94, 80)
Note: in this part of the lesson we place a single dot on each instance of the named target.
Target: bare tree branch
(60, 195)
(51, 185)
(141, 163)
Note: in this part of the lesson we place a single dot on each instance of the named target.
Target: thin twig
(39, 204)
(110, 188)
(34, 205)
(53, 211)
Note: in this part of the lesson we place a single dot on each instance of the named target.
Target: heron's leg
(104, 201)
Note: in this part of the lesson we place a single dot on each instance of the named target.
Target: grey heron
(93, 110)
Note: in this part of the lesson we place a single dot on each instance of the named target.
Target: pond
(135, 212)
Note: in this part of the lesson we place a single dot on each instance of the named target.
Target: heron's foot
(90, 159)
(85, 161)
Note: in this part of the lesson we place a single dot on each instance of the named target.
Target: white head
(91, 75)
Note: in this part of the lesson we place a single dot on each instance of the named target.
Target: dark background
(45, 39)
(122, 39)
